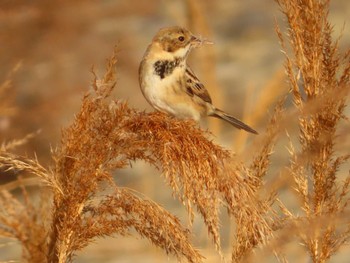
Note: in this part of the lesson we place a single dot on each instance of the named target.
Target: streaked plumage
(170, 86)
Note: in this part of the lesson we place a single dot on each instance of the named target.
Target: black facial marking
(164, 68)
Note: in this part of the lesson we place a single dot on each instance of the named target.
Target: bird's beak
(198, 41)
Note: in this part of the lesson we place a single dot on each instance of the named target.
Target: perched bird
(168, 83)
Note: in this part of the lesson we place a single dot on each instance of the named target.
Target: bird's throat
(165, 67)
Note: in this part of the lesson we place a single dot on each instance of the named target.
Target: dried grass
(82, 202)
(317, 72)
(6, 105)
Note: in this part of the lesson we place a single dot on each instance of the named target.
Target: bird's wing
(194, 87)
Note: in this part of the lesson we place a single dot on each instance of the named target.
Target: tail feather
(233, 121)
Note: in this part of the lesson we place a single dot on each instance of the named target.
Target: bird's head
(178, 40)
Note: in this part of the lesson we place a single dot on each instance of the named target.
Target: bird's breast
(164, 68)
(161, 78)
(163, 84)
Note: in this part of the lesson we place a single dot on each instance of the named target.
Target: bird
(168, 83)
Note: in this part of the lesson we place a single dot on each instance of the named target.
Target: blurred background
(47, 50)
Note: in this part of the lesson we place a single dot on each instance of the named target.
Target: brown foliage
(107, 135)
(82, 202)
(318, 76)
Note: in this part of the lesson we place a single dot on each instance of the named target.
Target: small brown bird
(170, 86)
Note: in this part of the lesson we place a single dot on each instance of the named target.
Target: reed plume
(81, 201)
(318, 75)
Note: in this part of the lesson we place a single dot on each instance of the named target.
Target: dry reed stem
(13, 185)
(13, 144)
(317, 71)
(6, 108)
(198, 24)
(12, 162)
(254, 114)
(256, 217)
(24, 222)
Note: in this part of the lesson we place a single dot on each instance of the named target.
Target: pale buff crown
(173, 38)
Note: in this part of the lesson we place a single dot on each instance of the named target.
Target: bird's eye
(181, 38)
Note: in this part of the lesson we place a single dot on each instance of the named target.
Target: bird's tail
(232, 120)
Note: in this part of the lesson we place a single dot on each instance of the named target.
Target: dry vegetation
(82, 202)
(319, 81)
